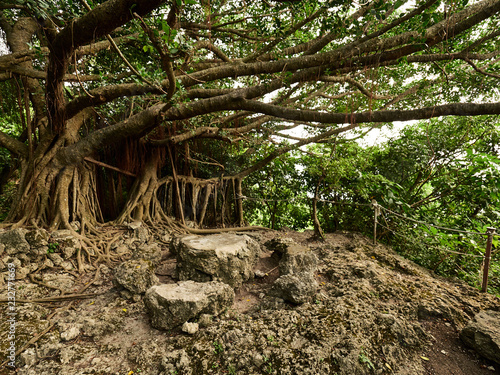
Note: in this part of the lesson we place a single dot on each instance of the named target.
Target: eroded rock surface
(136, 275)
(14, 241)
(151, 252)
(368, 315)
(483, 334)
(228, 258)
(296, 288)
(297, 283)
(170, 305)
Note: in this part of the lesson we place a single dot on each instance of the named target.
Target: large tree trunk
(52, 193)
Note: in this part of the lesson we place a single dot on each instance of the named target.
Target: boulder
(14, 241)
(298, 259)
(483, 334)
(136, 275)
(171, 305)
(297, 288)
(227, 257)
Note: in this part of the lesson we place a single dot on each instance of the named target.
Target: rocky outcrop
(67, 243)
(228, 258)
(151, 252)
(298, 259)
(14, 242)
(136, 275)
(170, 305)
(296, 288)
(297, 266)
(363, 319)
(279, 245)
(483, 334)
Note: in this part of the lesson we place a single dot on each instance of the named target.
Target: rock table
(228, 258)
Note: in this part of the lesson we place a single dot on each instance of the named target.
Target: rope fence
(380, 211)
(490, 233)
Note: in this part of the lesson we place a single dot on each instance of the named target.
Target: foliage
(448, 173)
(124, 96)
(276, 197)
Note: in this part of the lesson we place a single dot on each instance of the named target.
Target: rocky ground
(373, 312)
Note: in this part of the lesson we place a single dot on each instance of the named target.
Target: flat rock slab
(228, 258)
(483, 334)
(171, 305)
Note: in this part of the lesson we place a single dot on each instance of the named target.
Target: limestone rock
(22, 273)
(151, 252)
(136, 275)
(298, 259)
(56, 259)
(279, 245)
(38, 238)
(67, 244)
(227, 257)
(190, 328)
(69, 332)
(37, 253)
(139, 231)
(170, 305)
(68, 252)
(134, 225)
(175, 243)
(14, 241)
(63, 281)
(296, 288)
(28, 357)
(483, 334)
(205, 320)
(176, 362)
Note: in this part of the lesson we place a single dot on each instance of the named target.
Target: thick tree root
(223, 230)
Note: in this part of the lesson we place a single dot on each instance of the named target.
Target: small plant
(231, 370)
(218, 347)
(269, 368)
(52, 247)
(270, 338)
(366, 361)
(268, 365)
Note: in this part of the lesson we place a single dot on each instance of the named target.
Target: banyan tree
(149, 110)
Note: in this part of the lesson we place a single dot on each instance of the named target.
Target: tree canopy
(108, 105)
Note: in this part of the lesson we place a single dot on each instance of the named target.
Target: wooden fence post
(487, 256)
(376, 212)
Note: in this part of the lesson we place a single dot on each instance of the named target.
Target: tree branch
(13, 145)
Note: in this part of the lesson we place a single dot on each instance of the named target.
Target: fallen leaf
(424, 358)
